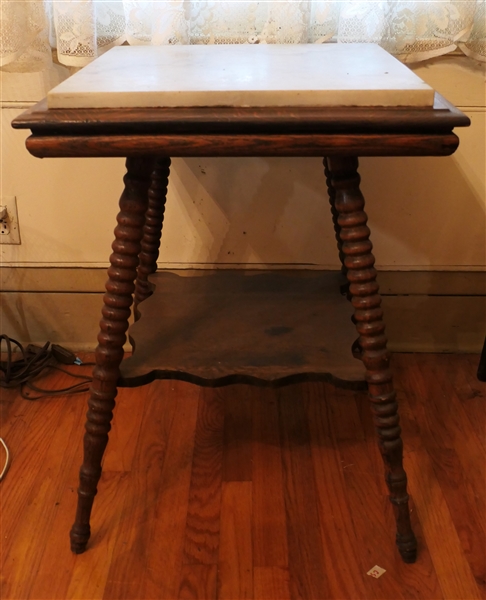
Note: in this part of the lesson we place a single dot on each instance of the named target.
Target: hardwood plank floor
(244, 492)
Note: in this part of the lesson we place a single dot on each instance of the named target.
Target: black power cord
(22, 366)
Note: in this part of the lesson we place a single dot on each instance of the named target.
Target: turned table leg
(152, 230)
(359, 261)
(113, 326)
(332, 201)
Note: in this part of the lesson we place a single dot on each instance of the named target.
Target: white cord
(7, 460)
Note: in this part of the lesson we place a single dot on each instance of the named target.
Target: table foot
(113, 326)
(79, 538)
(407, 546)
(368, 317)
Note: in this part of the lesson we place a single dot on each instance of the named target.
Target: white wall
(425, 213)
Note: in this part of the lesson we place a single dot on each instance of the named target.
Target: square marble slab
(242, 76)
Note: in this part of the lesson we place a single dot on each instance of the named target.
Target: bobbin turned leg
(366, 300)
(113, 326)
(152, 230)
(332, 201)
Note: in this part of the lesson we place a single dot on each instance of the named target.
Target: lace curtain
(80, 30)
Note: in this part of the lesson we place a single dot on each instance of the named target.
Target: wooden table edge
(441, 117)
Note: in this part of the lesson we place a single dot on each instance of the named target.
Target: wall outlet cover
(9, 224)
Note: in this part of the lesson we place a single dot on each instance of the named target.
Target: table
(334, 101)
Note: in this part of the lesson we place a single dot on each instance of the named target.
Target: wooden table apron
(242, 132)
(148, 137)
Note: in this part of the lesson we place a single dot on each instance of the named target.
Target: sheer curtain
(80, 30)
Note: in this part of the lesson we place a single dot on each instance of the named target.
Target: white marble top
(243, 75)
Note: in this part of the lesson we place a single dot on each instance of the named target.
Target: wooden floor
(243, 492)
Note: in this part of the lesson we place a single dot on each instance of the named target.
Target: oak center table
(149, 104)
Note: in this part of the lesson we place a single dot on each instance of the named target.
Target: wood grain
(270, 545)
(443, 539)
(422, 581)
(339, 546)
(307, 578)
(364, 492)
(451, 456)
(271, 582)
(326, 516)
(120, 452)
(237, 455)
(346, 144)
(90, 575)
(135, 531)
(267, 328)
(470, 392)
(235, 554)
(159, 502)
(198, 581)
(40, 507)
(481, 364)
(201, 544)
(222, 119)
(162, 580)
(24, 442)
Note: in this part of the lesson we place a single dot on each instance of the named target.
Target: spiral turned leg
(113, 326)
(368, 314)
(152, 230)
(332, 201)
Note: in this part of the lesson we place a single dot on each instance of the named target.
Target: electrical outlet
(9, 221)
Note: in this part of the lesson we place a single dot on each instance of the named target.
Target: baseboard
(424, 311)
